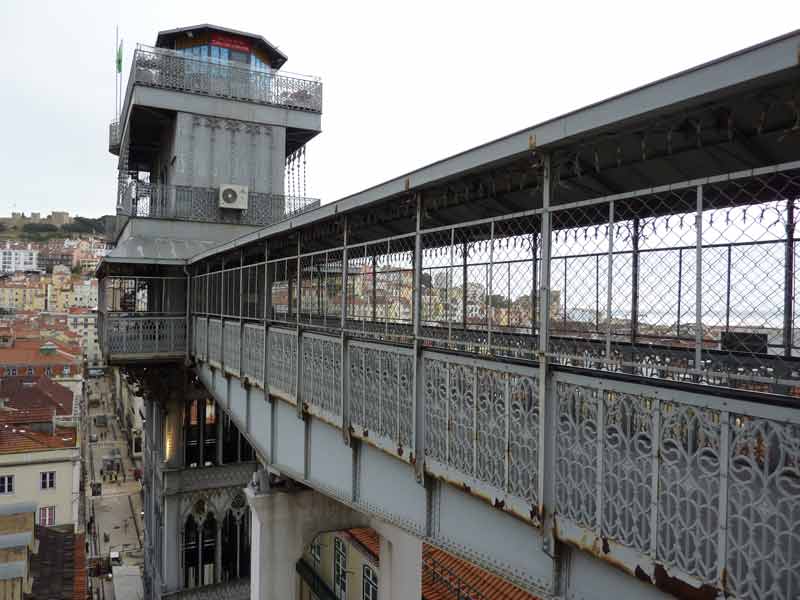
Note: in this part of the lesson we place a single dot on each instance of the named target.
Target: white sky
(404, 84)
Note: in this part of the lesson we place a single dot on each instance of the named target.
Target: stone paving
(117, 512)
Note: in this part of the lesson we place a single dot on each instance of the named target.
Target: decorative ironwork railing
(644, 474)
(159, 201)
(640, 425)
(147, 336)
(238, 589)
(113, 136)
(164, 68)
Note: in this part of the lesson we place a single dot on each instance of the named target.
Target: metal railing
(160, 201)
(231, 590)
(146, 336)
(113, 136)
(644, 474)
(160, 67)
(691, 282)
(638, 419)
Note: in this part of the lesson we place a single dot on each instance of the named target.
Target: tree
(39, 228)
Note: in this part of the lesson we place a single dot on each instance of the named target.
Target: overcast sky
(405, 83)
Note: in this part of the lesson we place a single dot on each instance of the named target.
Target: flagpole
(116, 76)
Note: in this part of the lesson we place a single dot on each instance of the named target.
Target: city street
(116, 513)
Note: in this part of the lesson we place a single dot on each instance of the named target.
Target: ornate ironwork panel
(160, 67)
(763, 553)
(490, 433)
(381, 394)
(322, 372)
(688, 489)
(523, 437)
(200, 337)
(627, 469)
(372, 389)
(406, 396)
(356, 384)
(282, 366)
(215, 341)
(436, 399)
(576, 453)
(461, 421)
(253, 352)
(232, 346)
(145, 335)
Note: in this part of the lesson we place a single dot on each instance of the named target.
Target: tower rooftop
(169, 37)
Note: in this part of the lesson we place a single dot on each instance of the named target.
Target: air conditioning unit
(233, 196)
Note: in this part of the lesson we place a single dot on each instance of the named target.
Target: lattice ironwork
(763, 523)
(482, 423)
(322, 374)
(282, 360)
(382, 405)
(232, 346)
(576, 453)
(160, 67)
(253, 352)
(141, 198)
(215, 341)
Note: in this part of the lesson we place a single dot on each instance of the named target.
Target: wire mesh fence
(692, 282)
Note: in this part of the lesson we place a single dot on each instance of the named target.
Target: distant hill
(40, 232)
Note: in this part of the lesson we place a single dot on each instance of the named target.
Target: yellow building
(22, 295)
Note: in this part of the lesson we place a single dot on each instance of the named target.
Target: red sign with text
(227, 41)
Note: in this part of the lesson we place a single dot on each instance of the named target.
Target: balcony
(178, 481)
(230, 590)
(159, 201)
(113, 137)
(168, 69)
(142, 318)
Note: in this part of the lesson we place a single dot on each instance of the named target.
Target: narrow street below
(116, 536)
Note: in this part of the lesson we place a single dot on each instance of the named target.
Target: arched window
(190, 553)
(209, 545)
(236, 540)
(200, 547)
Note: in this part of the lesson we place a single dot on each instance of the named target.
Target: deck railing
(170, 69)
(159, 201)
(660, 429)
(113, 137)
(642, 473)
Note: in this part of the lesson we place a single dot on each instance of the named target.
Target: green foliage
(39, 228)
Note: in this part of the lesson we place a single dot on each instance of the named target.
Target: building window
(6, 484)
(65, 371)
(13, 371)
(370, 584)
(316, 553)
(48, 371)
(47, 516)
(339, 569)
(29, 371)
(48, 480)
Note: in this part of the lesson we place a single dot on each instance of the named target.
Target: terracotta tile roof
(27, 415)
(28, 352)
(59, 569)
(27, 393)
(14, 440)
(440, 566)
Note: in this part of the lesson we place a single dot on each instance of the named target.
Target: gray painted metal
(711, 79)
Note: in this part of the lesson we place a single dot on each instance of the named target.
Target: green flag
(119, 58)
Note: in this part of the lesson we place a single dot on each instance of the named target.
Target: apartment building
(40, 464)
(18, 257)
